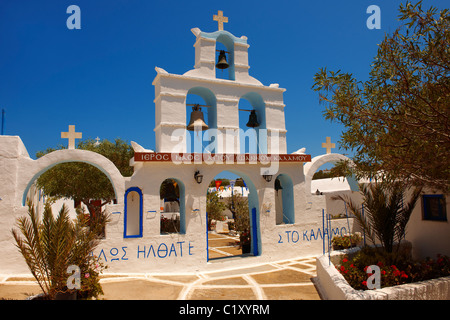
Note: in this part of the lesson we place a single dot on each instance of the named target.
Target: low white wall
(333, 286)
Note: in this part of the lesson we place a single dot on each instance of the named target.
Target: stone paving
(280, 280)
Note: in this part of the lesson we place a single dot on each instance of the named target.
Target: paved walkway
(284, 280)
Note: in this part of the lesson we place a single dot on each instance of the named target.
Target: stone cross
(97, 143)
(220, 19)
(328, 145)
(71, 135)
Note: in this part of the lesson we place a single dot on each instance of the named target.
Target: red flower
(383, 272)
(397, 273)
(365, 269)
(380, 264)
(344, 260)
(404, 275)
(364, 283)
(352, 266)
(394, 267)
(342, 268)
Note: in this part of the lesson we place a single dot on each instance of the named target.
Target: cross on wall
(71, 135)
(328, 145)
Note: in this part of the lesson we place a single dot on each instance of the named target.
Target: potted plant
(245, 241)
(346, 241)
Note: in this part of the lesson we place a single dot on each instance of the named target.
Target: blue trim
(207, 239)
(214, 35)
(139, 191)
(255, 241)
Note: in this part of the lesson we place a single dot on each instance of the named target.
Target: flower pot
(66, 296)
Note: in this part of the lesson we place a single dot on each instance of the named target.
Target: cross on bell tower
(220, 19)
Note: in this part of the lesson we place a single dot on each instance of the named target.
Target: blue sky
(99, 78)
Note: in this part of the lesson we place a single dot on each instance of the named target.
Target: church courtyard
(280, 280)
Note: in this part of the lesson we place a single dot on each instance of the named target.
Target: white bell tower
(221, 95)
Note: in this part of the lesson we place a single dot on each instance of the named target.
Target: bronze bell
(222, 61)
(278, 185)
(197, 121)
(253, 120)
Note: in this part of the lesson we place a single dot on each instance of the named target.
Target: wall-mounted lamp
(267, 177)
(198, 177)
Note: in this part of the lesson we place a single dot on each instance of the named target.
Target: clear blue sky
(99, 78)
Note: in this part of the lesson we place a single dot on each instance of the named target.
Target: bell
(222, 60)
(197, 121)
(278, 185)
(252, 120)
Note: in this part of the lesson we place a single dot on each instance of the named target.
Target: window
(434, 208)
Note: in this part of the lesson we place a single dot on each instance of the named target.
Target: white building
(286, 222)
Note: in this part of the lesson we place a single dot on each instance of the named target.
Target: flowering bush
(346, 241)
(406, 271)
(90, 279)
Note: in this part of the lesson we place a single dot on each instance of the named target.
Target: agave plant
(384, 214)
(50, 246)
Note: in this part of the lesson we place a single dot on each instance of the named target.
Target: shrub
(392, 274)
(346, 241)
(50, 246)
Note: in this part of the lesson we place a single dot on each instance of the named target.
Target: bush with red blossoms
(392, 274)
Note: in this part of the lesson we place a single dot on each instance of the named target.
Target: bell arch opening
(225, 42)
(201, 105)
(252, 124)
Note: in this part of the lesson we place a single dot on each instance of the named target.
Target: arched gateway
(39, 166)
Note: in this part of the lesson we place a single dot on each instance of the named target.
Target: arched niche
(133, 213)
(284, 199)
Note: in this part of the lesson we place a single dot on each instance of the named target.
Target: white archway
(35, 168)
(311, 167)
